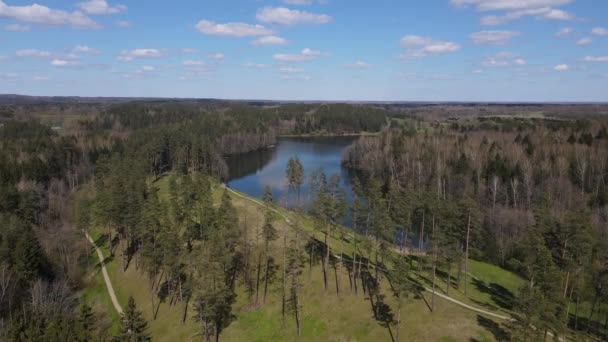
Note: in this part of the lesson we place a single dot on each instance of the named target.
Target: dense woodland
(526, 194)
(530, 198)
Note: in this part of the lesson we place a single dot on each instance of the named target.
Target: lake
(251, 172)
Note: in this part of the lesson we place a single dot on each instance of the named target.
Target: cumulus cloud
(288, 17)
(503, 60)
(496, 5)
(561, 67)
(596, 59)
(493, 37)
(216, 56)
(358, 65)
(62, 63)
(298, 2)
(17, 28)
(269, 41)
(296, 78)
(584, 41)
(418, 46)
(85, 49)
(303, 56)
(256, 65)
(39, 14)
(520, 62)
(130, 55)
(600, 31)
(291, 70)
(99, 7)
(515, 9)
(564, 32)
(33, 53)
(237, 30)
(192, 63)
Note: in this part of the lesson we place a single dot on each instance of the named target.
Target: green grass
(325, 315)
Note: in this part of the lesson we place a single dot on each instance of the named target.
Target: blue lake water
(251, 172)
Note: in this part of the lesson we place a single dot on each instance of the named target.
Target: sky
(356, 50)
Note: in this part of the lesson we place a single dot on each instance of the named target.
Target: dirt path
(106, 277)
(457, 302)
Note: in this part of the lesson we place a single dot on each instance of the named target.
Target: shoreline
(328, 135)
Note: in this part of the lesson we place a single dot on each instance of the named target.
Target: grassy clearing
(325, 315)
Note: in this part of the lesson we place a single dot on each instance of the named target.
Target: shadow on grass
(499, 295)
(497, 331)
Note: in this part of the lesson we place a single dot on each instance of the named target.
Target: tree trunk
(312, 251)
(421, 237)
(326, 261)
(284, 277)
(257, 281)
(434, 265)
(576, 313)
(466, 257)
(398, 322)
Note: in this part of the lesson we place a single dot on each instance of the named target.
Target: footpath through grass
(326, 316)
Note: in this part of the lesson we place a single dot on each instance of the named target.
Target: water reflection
(251, 172)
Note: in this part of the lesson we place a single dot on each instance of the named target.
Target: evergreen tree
(133, 325)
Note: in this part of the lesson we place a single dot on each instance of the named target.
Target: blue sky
(432, 50)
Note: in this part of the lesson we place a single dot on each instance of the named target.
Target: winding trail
(441, 295)
(106, 277)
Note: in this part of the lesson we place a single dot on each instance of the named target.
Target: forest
(435, 199)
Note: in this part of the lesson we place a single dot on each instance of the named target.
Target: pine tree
(133, 325)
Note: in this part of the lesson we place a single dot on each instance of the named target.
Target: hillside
(326, 316)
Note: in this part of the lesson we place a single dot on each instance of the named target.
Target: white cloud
(493, 37)
(286, 16)
(564, 32)
(515, 9)
(584, 41)
(33, 53)
(296, 78)
(507, 5)
(217, 56)
(98, 7)
(11, 76)
(503, 60)
(298, 2)
(41, 78)
(418, 46)
(39, 14)
(232, 29)
(191, 63)
(411, 40)
(148, 68)
(561, 67)
(596, 59)
(477, 71)
(256, 65)
(62, 63)
(269, 40)
(122, 23)
(358, 65)
(600, 31)
(290, 70)
(304, 55)
(130, 55)
(17, 28)
(520, 62)
(85, 49)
